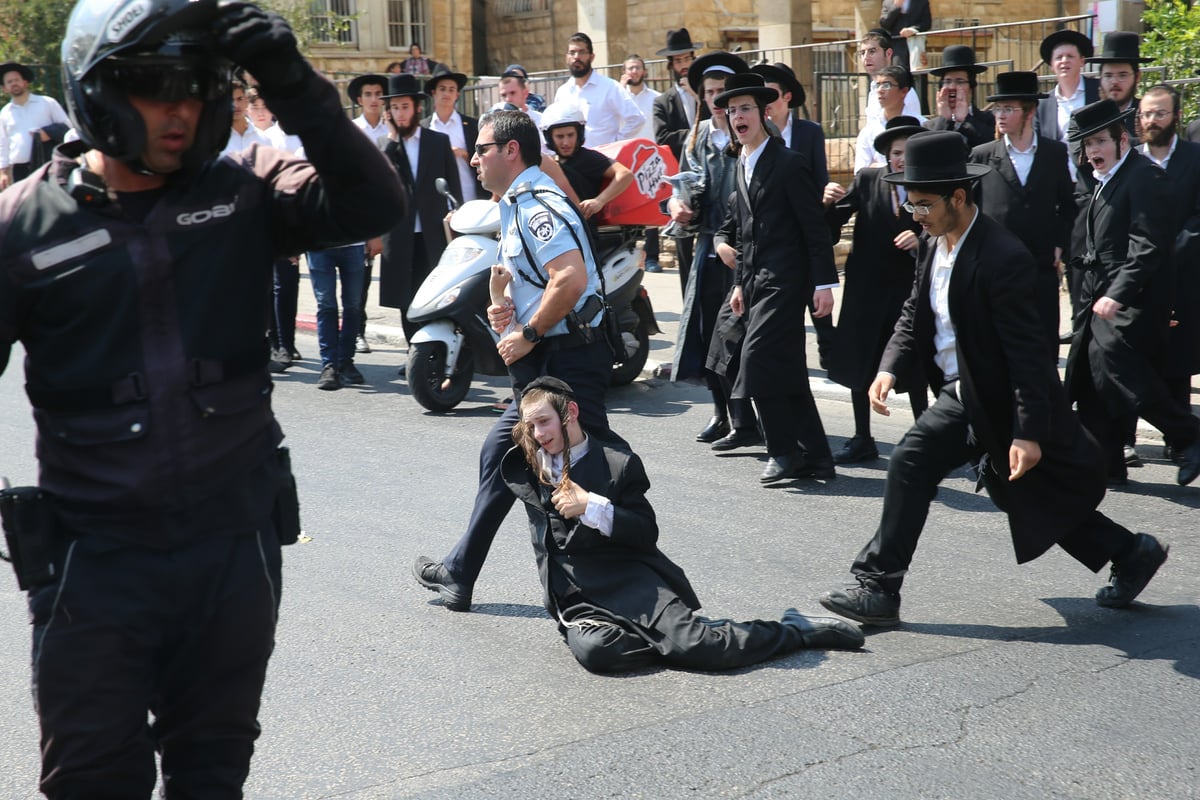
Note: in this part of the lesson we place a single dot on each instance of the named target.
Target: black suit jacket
(670, 121)
(893, 19)
(1183, 187)
(1045, 120)
(979, 127)
(809, 141)
(471, 134)
(399, 274)
(1040, 213)
(1007, 386)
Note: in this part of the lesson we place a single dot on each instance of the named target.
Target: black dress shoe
(742, 437)
(1131, 457)
(1066, 338)
(866, 603)
(434, 576)
(1131, 574)
(818, 470)
(716, 428)
(823, 633)
(1189, 464)
(350, 374)
(855, 450)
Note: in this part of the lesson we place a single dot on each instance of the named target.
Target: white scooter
(455, 340)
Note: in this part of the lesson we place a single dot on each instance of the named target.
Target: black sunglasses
(480, 149)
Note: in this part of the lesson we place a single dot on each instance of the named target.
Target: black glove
(262, 42)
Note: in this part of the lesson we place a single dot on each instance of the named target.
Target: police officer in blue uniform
(551, 324)
(133, 270)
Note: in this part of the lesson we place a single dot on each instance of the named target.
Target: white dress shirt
(16, 122)
(609, 111)
(644, 100)
(1163, 164)
(912, 105)
(376, 132)
(865, 154)
(240, 141)
(453, 127)
(599, 512)
(1022, 160)
(944, 338)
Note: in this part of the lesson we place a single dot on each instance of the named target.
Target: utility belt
(580, 331)
(35, 539)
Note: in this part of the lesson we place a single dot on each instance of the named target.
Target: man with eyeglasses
(893, 85)
(1029, 189)
(1117, 364)
(552, 296)
(875, 53)
(956, 87)
(135, 269)
(610, 112)
(1161, 144)
(783, 257)
(1000, 405)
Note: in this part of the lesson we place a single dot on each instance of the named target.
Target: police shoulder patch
(541, 225)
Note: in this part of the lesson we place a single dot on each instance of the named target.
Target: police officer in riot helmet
(134, 271)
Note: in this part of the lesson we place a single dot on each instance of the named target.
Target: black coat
(1008, 387)
(809, 141)
(1130, 234)
(471, 135)
(1183, 186)
(624, 574)
(1085, 183)
(670, 121)
(879, 278)
(399, 276)
(1040, 213)
(1045, 120)
(784, 251)
(893, 18)
(979, 127)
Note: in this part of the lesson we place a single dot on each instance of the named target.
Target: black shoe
(1189, 464)
(329, 380)
(1172, 454)
(782, 468)
(1067, 337)
(434, 576)
(817, 470)
(715, 429)
(350, 374)
(360, 344)
(823, 633)
(742, 437)
(1132, 573)
(276, 367)
(865, 603)
(282, 356)
(296, 355)
(1131, 456)
(855, 450)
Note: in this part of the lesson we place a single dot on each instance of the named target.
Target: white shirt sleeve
(599, 514)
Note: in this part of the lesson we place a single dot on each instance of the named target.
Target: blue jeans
(337, 347)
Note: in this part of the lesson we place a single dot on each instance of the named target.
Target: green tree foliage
(1172, 39)
(32, 35)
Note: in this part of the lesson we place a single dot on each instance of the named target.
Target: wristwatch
(530, 334)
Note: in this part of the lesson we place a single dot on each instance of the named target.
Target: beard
(581, 70)
(638, 82)
(407, 130)
(1158, 137)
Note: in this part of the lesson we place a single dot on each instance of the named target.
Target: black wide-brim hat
(1098, 116)
(719, 61)
(958, 57)
(745, 84)
(1017, 86)
(1120, 47)
(936, 157)
(403, 85)
(441, 73)
(679, 41)
(355, 87)
(12, 66)
(783, 75)
(1066, 36)
(896, 127)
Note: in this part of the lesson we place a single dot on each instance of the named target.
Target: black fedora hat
(13, 66)
(783, 75)
(1096, 117)
(958, 57)
(894, 129)
(936, 157)
(1066, 36)
(355, 87)
(403, 85)
(743, 84)
(1120, 47)
(1017, 86)
(440, 73)
(679, 41)
(718, 61)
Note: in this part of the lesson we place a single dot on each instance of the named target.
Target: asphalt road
(1003, 682)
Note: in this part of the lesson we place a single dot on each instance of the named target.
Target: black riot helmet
(157, 49)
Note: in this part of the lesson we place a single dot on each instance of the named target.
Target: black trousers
(684, 252)
(418, 270)
(183, 634)
(934, 446)
(792, 423)
(285, 298)
(587, 371)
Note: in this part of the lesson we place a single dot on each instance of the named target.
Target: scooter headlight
(448, 298)
(463, 254)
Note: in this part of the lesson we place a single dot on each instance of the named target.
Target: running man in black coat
(619, 603)
(1000, 406)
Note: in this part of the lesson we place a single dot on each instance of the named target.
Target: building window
(334, 22)
(516, 8)
(407, 24)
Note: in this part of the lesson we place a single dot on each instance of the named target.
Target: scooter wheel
(427, 378)
(637, 350)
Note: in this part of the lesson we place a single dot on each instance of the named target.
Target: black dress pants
(935, 446)
(791, 423)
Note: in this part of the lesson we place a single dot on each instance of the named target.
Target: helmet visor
(167, 81)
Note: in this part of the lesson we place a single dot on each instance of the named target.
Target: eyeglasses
(1004, 111)
(166, 83)
(480, 149)
(745, 109)
(954, 82)
(869, 51)
(1157, 114)
(923, 209)
(886, 85)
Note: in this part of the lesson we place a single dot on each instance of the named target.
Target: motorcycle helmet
(560, 114)
(158, 49)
